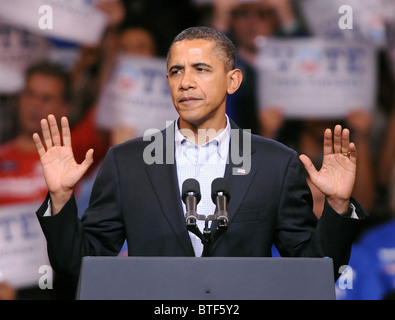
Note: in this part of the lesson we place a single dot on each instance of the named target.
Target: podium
(209, 278)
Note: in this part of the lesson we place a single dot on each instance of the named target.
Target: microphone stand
(205, 237)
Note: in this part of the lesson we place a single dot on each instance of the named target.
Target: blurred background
(102, 63)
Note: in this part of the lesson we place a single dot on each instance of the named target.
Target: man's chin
(191, 115)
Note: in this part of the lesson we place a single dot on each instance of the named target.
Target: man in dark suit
(137, 200)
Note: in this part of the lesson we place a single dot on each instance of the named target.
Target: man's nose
(187, 81)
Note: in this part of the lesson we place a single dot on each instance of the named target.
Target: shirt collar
(222, 140)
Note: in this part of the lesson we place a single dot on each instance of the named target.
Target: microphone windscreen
(220, 185)
(191, 186)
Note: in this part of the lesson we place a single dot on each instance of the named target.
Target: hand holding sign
(114, 10)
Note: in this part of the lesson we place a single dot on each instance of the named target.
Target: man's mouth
(186, 99)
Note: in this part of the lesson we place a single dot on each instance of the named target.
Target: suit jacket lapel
(238, 175)
(164, 180)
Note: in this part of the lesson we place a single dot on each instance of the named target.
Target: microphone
(191, 197)
(221, 196)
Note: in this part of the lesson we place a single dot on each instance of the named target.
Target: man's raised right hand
(61, 171)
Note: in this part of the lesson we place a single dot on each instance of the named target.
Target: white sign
(316, 78)
(23, 248)
(390, 27)
(18, 49)
(368, 19)
(74, 20)
(211, 1)
(137, 95)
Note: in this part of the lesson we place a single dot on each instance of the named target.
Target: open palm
(336, 177)
(61, 171)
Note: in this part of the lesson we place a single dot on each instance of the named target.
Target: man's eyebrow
(195, 65)
(201, 64)
(176, 67)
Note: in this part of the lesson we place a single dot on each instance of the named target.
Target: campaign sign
(137, 95)
(23, 248)
(368, 19)
(211, 1)
(73, 20)
(316, 78)
(18, 49)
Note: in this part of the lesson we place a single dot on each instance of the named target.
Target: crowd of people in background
(145, 28)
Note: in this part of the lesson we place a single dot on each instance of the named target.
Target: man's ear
(235, 77)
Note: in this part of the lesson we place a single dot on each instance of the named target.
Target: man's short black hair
(224, 46)
(54, 70)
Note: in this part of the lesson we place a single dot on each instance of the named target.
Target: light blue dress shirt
(203, 163)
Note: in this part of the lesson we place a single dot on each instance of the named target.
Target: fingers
(337, 139)
(328, 146)
(39, 146)
(88, 160)
(88, 157)
(341, 142)
(46, 133)
(345, 142)
(353, 153)
(66, 131)
(51, 133)
(53, 126)
(309, 166)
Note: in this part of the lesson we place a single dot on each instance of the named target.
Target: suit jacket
(141, 203)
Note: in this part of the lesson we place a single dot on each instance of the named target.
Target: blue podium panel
(212, 278)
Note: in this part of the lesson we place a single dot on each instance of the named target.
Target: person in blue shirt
(371, 272)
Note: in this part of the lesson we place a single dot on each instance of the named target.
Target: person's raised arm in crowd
(280, 11)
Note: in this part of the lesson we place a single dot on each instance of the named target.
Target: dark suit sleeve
(300, 234)
(99, 232)
(335, 234)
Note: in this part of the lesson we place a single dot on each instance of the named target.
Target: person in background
(305, 136)
(129, 39)
(7, 117)
(126, 39)
(371, 271)
(96, 64)
(386, 165)
(87, 74)
(245, 22)
(7, 292)
(47, 89)
(134, 40)
(372, 261)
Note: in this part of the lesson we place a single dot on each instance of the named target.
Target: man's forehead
(191, 48)
(196, 46)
